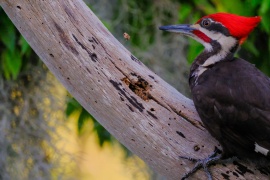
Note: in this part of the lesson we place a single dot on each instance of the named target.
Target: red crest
(238, 26)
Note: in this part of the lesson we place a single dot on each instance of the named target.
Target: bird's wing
(238, 97)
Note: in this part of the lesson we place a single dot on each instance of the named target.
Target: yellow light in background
(95, 163)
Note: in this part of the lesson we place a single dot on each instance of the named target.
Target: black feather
(233, 100)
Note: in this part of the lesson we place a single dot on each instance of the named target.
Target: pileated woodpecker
(231, 95)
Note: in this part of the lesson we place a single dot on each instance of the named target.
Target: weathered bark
(142, 111)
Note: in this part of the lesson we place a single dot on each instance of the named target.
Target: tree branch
(136, 106)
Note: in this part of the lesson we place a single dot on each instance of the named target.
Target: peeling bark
(136, 106)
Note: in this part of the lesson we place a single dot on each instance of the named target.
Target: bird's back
(233, 101)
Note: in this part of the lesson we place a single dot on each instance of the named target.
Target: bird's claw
(202, 163)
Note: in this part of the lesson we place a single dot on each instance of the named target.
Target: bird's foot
(203, 163)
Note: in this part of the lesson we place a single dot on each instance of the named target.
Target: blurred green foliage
(15, 51)
(256, 49)
(74, 107)
(13, 48)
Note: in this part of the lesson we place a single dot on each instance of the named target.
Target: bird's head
(229, 30)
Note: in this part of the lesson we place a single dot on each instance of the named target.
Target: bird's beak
(185, 29)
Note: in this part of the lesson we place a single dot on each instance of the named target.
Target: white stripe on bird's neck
(226, 42)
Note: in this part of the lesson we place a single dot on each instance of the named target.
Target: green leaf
(249, 45)
(84, 116)
(265, 5)
(236, 7)
(205, 6)
(72, 106)
(195, 49)
(103, 134)
(107, 25)
(7, 33)
(255, 3)
(265, 23)
(5, 69)
(24, 45)
(12, 62)
(184, 12)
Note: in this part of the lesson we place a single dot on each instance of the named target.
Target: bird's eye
(206, 22)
